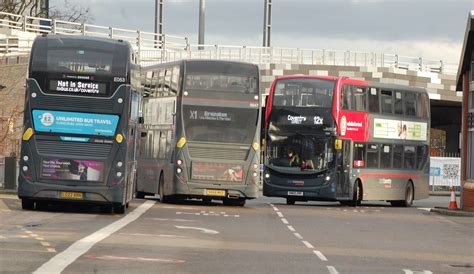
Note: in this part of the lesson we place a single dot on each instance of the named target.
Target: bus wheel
(290, 201)
(119, 208)
(409, 196)
(27, 204)
(357, 195)
(161, 189)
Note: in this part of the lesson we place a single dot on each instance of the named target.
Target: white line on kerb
(59, 262)
(332, 269)
(285, 221)
(291, 228)
(320, 255)
(307, 244)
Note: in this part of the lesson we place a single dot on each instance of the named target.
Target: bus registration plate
(295, 193)
(72, 195)
(215, 192)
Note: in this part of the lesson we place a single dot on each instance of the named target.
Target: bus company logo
(47, 119)
(318, 120)
(343, 125)
(296, 120)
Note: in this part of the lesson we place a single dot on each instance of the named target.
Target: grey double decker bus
(80, 119)
(200, 131)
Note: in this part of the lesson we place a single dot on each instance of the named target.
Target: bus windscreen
(222, 83)
(301, 92)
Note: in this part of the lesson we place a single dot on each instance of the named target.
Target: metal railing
(153, 48)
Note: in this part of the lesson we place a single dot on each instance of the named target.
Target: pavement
(265, 236)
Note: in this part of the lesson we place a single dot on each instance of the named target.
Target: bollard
(10, 173)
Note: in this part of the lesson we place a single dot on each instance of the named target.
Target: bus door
(344, 156)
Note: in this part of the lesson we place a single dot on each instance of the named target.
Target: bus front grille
(77, 103)
(46, 147)
(233, 154)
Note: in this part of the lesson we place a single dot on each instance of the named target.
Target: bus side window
(346, 98)
(372, 155)
(398, 107)
(422, 105)
(409, 157)
(386, 101)
(410, 103)
(421, 156)
(359, 155)
(386, 156)
(374, 100)
(397, 156)
(359, 98)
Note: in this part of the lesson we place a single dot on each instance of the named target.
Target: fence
(153, 48)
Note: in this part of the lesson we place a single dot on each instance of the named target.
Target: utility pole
(202, 7)
(267, 23)
(159, 22)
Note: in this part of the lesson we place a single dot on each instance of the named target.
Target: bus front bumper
(56, 192)
(216, 191)
(318, 193)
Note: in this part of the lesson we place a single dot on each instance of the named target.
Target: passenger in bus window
(295, 159)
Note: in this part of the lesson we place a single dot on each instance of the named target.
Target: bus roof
(329, 78)
(83, 38)
(351, 81)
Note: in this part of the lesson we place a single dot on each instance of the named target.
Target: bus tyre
(409, 196)
(27, 204)
(119, 208)
(290, 201)
(161, 190)
(357, 194)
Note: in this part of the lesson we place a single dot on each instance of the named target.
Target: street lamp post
(159, 22)
(202, 7)
(267, 22)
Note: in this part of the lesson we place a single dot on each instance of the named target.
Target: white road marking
(52, 250)
(178, 207)
(297, 235)
(172, 220)
(135, 259)
(307, 244)
(59, 262)
(320, 255)
(285, 221)
(39, 238)
(222, 214)
(291, 228)
(408, 271)
(279, 214)
(1, 237)
(203, 230)
(45, 244)
(153, 235)
(332, 269)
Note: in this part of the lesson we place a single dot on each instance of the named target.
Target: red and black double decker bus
(353, 140)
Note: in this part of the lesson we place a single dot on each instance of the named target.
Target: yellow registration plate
(71, 195)
(215, 192)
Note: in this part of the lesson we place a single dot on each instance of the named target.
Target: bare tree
(38, 8)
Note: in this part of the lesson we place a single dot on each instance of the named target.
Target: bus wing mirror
(338, 144)
(140, 120)
(143, 134)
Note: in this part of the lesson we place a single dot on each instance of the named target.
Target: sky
(432, 29)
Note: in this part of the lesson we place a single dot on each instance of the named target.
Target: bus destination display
(78, 87)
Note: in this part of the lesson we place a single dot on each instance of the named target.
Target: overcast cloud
(432, 29)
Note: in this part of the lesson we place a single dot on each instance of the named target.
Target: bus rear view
(79, 117)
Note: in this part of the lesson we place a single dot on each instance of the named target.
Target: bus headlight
(33, 95)
(328, 178)
(119, 164)
(179, 162)
(25, 158)
(120, 100)
(267, 175)
(119, 174)
(25, 168)
(179, 170)
(255, 174)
